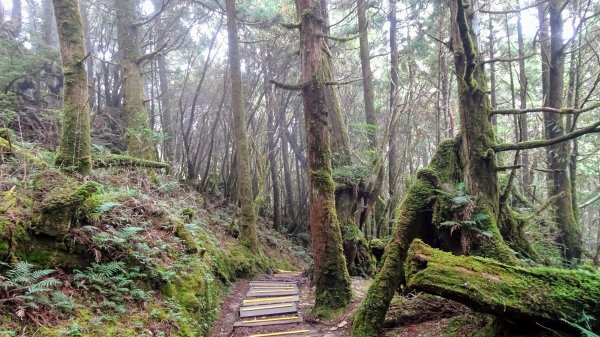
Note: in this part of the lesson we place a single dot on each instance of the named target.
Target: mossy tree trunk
(138, 134)
(330, 273)
(554, 298)
(414, 219)
(477, 159)
(558, 155)
(74, 151)
(248, 236)
(423, 209)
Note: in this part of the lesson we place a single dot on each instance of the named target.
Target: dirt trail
(431, 315)
(224, 325)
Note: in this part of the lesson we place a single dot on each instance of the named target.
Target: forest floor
(420, 316)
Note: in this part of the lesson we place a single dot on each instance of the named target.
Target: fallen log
(115, 160)
(548, 297)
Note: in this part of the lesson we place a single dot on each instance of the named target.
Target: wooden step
(269, 321)
(272, 293)
(268, 310)
(284, 333)
(270, 300)
(272, 282)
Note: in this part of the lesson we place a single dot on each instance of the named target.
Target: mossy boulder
(56, 200)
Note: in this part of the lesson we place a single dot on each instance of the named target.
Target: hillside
(123, 252)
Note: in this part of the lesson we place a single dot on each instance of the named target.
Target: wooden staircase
(273, 303)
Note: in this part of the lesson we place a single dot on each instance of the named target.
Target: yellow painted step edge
(270, 319)
(272, 291)
(273, 287)
(269, 299)
(280, 333)
(265, 307)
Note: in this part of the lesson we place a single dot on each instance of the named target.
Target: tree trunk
(558, 155)
(393, 106)
(74, 152)
(477, 136)
(16, 17)
(550, 297)
(492, 55)
(330, 273)
(166, 111)
(271, 143)
(138, 134)
(248, 236)
(367, 75)
(424, 211)
(526, 178)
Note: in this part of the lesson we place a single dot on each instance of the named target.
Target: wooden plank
(268, 310)
(272, 293)
(270, 300)
(287, 276)
(273, 286)
(270, 321)
(272, 283)
(283, 333)
(273, 290)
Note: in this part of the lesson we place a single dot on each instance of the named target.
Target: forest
(330, 168)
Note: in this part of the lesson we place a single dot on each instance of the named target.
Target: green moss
(56, 201)
(547, 294)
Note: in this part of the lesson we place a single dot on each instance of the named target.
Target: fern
(27, 289)
(114, 281)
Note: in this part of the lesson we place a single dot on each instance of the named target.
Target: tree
(553, 58)
(138, 134)
(330, 273)
(74, 152)
(248, 235)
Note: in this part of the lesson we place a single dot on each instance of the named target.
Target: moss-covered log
(7, 147)
(555, 298)
(120, 160)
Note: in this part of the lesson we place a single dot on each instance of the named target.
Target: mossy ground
(175, 237)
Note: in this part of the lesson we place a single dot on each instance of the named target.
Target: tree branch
(513, 11)
(533, 144)
(514, 59)
(562, 111)
(339, 82)
(286, 86)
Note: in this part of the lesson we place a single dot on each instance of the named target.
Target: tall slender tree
(557, 155)
(138, 134)
(330, 273)
(248, 235)
(74, 152)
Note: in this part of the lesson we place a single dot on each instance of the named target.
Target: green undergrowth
(137, 254)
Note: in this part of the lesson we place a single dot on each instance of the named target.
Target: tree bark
(248, 236)
(330, 273)
(166, 111)
(393, 106)
(16, 17)
(138, 135)
(74, 151)
(526, 177)
(557, 155)
(367, 75)
(554, 298)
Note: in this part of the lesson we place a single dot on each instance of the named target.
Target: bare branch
(512, 11)
(153, 16)
(533, 144)
(561, 111)
(514, 59)
(344, 82)
(286, 86)
(340, 39)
